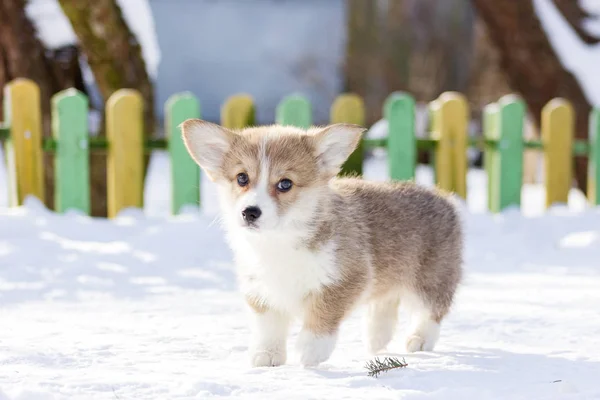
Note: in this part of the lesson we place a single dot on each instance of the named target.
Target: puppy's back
(414, 234)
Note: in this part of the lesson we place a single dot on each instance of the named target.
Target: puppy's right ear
(207, 143)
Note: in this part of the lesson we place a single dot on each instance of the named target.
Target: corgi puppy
(311, 245)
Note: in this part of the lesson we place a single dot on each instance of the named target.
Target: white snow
(146, 307)
(54, 29)
(592, 24)
(138, 15)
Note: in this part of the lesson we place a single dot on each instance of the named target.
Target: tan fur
(391, 239)
(290, 156)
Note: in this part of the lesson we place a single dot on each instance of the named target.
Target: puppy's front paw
(267, 357)
(314, 349)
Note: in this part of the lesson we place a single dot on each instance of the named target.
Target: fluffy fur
(328, 244)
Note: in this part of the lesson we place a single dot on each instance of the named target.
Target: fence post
(294, 110)
(490, 158)
(432, 110)
(399, 111)
(185, 173)
(22, 112)
(450, 129)
(507, 156)
(125, 164)
(350, 108)
(558, 125)
(238, 112)
(70, 130)
(594, 157)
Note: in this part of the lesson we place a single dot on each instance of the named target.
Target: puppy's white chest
(282, 273)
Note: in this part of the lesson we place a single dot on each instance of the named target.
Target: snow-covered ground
(146, 307)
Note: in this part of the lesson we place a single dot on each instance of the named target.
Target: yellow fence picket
(23, 114)
(238, 112)
(558, 125)
(450, 114)
(349, 108)
(125, 164)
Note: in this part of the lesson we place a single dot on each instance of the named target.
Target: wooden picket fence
(125, 144)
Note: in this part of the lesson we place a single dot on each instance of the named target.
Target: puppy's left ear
(335, 143)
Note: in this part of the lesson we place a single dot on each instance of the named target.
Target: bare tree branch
(575, 15)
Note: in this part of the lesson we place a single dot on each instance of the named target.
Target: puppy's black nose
(251, 214)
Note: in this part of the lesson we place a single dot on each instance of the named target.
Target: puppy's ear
(207, 143)
(335, 143)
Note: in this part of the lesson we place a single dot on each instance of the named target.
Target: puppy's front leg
(322, 318)
(268, 345)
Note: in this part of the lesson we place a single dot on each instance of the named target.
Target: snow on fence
(502, 141)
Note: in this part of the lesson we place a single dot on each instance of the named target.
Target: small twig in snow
(377, 366)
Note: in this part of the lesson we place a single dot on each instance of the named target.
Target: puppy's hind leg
(431, 299)
(381, 322)
(424, 336)
(424, 329)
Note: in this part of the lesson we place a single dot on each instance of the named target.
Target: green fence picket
(185, 173)
(399, 111)
(294, 110)
(70, 130)
(594, 158)
(510, 149)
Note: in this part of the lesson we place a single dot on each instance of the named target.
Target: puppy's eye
(242, 179)
(284, 185)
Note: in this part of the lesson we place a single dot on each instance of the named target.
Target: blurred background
(538, 49)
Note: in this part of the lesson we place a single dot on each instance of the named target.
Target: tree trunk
(531, 65)
(112, 51)
(363, 73)
(22, 55)
(488, 81)
(420, 46)
(115, 58)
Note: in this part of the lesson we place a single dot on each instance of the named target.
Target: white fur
(423, 331)
(268, 347)
(425, 334)
(272, 264)
(271, 267)
(314, 349)
(335, 145)
(382, 318)
(207, 143)
(258, 197)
